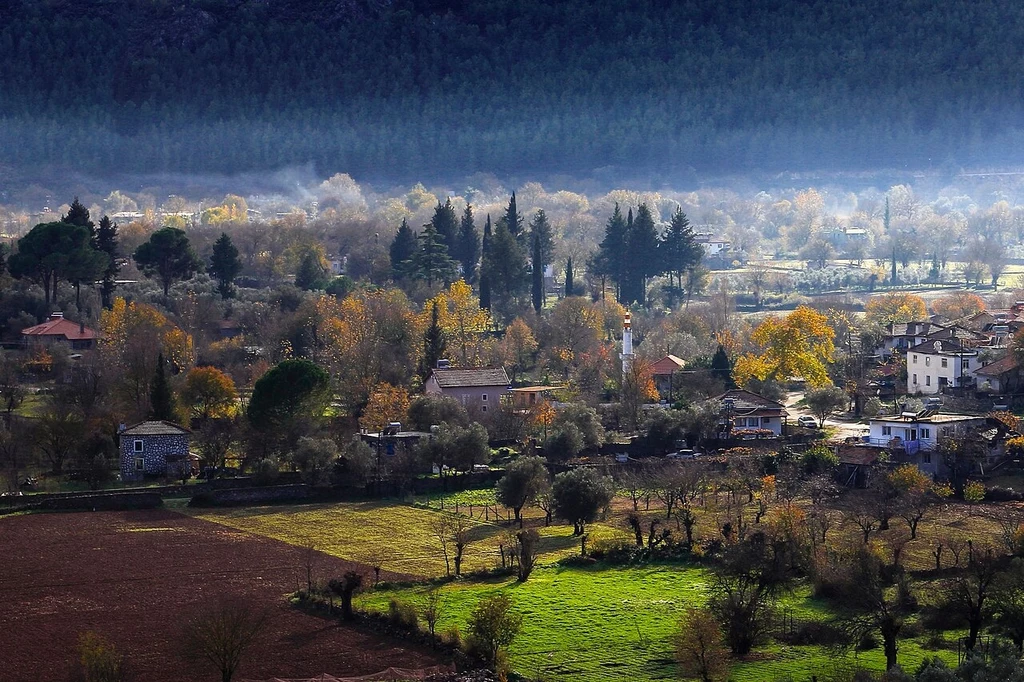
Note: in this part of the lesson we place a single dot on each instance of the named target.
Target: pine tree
(79, 215)
(403, 246)
(447, 225)
(569, 284)
(160, 397)
(678, 250)
(506, 268)
(468, 246)
(435, 345)
(610, 259)
(431, 261)
(311, 275)
(485, 276)
(721, 367)
(106, 241)
(225, 265)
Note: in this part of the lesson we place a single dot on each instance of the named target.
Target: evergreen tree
(446, 222)
(435, 345)
(312, 275)
(403, 246)
(161, 399)
(225, 265)
(569, 284)
(721, 367)
(678, 250)
(641, 254)
(106, 241)
(431, 261)
(506, 268)
(169, 256)
(513, 220)
(541, 247)
(485, 276)
(468, 246)
(610, 259)
(79, 215)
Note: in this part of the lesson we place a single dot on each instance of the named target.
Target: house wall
(155, 450)
(925, 371)
(758, 422)
(471, 397)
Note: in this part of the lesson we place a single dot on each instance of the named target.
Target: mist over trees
(465, 87)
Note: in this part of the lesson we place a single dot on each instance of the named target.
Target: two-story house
(936, 364)
(914, 435)
(154, 448)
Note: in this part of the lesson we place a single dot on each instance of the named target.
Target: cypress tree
(435, 345)
(541, 246)
(468, 245)
(506, 268)
(224, 265)
(569, 284)
(161, 399)
(403, 246)
(106, 241)
(513, 220)
(485, 276)
(721, 368)
(311, 274)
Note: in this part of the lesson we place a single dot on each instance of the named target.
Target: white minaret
(627, 344)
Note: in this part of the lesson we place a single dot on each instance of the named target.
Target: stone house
(154, 448)
(476, 389)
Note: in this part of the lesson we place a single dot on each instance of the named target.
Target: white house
(713, 246)
(916, 434)
(746, 413)
(934, 365)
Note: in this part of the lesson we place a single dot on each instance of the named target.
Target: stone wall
(154, 453)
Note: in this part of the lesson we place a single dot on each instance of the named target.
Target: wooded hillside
(410, 89)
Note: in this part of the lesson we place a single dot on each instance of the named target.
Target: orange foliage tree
(958, 305)
(798, 345)
(387, 404)
(209, 392)
(885, 309)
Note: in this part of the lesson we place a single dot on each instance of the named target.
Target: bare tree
(310, 558)
(454, 533)
(222, 633)
(969, 591)
(432, 609)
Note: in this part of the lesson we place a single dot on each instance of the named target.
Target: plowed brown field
(134, 577)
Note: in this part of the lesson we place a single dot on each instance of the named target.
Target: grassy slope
(602, 623)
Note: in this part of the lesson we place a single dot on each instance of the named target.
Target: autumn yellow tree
(387, 404)
(798, 345)
(517, 348)
(209, 392)
(958, 305)
(637, 388)
(894, 307)
(464, 323)
(134, 334)
(576, 326)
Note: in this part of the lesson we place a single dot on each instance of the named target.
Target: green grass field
(597, 623)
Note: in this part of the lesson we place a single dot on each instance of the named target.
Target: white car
(807, 422)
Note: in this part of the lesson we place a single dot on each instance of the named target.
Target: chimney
(81, 327)
(444, 364)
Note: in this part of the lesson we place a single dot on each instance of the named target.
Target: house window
(927, 361)
(915, 379)
(928, 380)
(766, 420)
(926, 433)
(483, 408)
(926, 457)
(886, 430)
(965, 364)
(484, 397)
(914, 360)
(138, 446)
(945, 363)
(140, 464)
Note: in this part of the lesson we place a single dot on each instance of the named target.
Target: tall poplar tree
(161, 399)
(570, 285)
(468, 246)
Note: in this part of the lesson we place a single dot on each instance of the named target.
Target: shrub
(867, 642)
(493, 625)
(403, 614)
(816, 632)
(451, 636)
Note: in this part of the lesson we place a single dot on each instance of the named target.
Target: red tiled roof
(58, 326)
(1005, 364)
(667, 365)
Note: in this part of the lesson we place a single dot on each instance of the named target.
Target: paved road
(842, 428)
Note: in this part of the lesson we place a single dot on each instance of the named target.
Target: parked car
(807, 422)
(682, 454)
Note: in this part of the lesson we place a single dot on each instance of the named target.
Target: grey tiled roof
(465, 378)
(155, 428)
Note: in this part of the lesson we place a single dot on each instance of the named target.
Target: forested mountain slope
(406, 89)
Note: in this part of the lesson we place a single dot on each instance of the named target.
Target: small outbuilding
(154, 448)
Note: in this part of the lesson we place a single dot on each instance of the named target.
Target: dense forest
(403, 88)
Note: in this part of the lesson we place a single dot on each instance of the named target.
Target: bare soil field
(134, 577)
